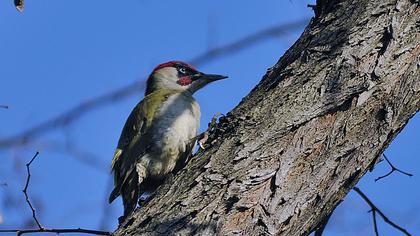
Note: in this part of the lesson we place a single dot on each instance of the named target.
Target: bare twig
(375, 210)
(126, 91)
(71, 115)
(393, 168)
(42, 229)
(375, 225)
(57, 231)
(247, 41)
(25, 190)
(4, 106)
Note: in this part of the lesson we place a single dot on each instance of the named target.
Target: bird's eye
(182, 70)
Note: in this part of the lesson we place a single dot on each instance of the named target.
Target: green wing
(137, 124)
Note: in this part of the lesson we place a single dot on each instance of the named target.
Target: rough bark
(282, 160)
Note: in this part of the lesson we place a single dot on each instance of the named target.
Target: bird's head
(180, 76)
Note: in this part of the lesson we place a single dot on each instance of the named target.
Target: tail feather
(114, 194)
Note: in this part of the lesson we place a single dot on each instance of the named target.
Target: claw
(203, 140)
(201, 145)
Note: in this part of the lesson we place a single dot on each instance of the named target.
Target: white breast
(179, 117)
(177, 125)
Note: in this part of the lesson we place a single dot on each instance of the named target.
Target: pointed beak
(210, 77)
(200, 80)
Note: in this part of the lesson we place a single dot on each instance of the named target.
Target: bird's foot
(202, 139)
(145, 197)
(121, 219)
(124, 221)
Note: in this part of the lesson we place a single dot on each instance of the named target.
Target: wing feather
(132, 143)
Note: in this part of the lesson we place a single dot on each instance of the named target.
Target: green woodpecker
(158, 136)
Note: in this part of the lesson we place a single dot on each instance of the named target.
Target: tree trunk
(282, 160)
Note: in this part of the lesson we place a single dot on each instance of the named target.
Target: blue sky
(58, 54)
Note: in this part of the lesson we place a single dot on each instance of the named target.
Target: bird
(158, 137)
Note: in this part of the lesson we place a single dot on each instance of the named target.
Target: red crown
(172, 64)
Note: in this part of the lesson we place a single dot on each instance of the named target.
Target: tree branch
(323, 224)
(71, 115)
(247, 41)
(375, 225)
(25, 190)
(393, 168)
(58, 231)
(280, 161)
(42, 229)
(375, 210)
(4, 106)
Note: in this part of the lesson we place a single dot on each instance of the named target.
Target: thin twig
(71, 115)
(57, 231)
(247, 41)
(25, 190)
(375, 210)
(375, 225)
(42, 229)
(393, 168)
(76, 112)
(4, 106)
